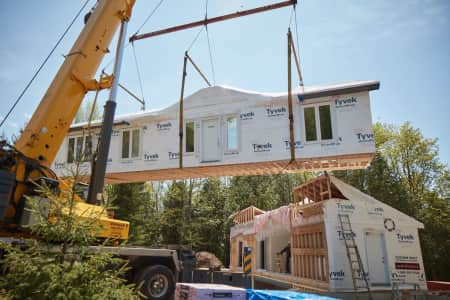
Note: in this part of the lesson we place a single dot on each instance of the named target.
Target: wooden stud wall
(317, 190)
(309, 252)
(247, 241)
(246, 215)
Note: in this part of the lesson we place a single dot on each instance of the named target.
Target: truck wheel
(158, 282)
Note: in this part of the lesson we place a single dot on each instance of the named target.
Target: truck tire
(158, 282)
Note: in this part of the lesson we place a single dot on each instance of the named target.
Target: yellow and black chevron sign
(247, 263)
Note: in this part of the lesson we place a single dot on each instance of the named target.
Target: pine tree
(136, 203)
(59, 264)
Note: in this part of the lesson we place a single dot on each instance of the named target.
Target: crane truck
(29, 159)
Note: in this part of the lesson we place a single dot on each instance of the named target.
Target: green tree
(87, 108)
(211, 218)
(175, 227)
(413, 159)
(379, 181)
(406, 173)
(265, 192)
(136, 203)
(252, 190)
(59, 265)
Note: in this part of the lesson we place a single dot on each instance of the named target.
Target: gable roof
(328, 187)
(354, 194)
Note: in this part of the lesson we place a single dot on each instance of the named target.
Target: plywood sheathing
(341, 162)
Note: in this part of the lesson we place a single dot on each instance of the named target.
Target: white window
(130, 143)
(190, 137)
(318, 123)
(79, 149)
(232, 133)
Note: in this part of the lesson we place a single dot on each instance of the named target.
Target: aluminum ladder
(356, 265)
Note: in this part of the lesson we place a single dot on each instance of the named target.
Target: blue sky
(405, 44)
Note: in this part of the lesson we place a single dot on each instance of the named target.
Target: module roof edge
(356, 88)
(306, 93)
(366, 85)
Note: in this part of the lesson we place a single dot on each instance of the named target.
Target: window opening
(240, 254)
(130, 143)
(87, 148)
(263, 254)
(135, 143)
(79, 148)
(232, 142)
(310, 124)
(318, 123)
(326, 132)
(71, 152)
(126, 144)
(190, 141)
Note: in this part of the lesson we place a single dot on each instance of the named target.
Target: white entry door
(210, 140)
(377, 258)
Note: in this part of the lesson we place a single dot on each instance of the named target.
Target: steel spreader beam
(207, 21)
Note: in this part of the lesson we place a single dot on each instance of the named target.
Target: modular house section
(387, 240)
(228, 132)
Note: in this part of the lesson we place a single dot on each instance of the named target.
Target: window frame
(185, 137)
(75, 153)
(318, 128)
(130, 143)
(226, 118)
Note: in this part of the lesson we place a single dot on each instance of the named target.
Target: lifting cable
(142, 102)
(210, 56)
(296, 54)
(187, 59)
(180, 121)
(89, 128)
(209, 44)
(296, 39)
(149, 16)
(44, 62)
(291, 114)
(296, 59)
(195, 39)
(291, 52)
(141, 86)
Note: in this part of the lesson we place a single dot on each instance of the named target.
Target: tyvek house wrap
(402, 256)
(262, 144)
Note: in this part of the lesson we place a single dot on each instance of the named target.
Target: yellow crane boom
(47, 128)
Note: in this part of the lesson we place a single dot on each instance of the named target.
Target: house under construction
(341, 240)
